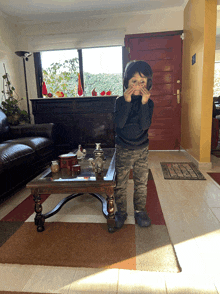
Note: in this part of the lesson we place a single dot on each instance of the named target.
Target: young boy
(132, 118)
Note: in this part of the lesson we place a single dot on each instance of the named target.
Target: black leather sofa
(24, 151)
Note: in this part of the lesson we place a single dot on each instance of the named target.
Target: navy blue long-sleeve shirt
(132, 121)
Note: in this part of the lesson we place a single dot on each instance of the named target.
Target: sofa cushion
(12, 155)
(4, 126)
(41, 145)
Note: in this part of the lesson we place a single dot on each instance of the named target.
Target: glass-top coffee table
(87, 181)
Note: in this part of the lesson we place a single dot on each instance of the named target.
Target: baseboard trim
(164, 150)
(205, 165)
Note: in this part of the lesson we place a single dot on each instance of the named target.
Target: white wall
(8, 45)
(9, 33)
(96, 31)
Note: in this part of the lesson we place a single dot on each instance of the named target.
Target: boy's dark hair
(141, 67)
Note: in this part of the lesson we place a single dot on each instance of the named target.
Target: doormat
(181, 171)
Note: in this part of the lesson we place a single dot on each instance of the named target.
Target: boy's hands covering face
(137, 85)
(128, 93)
(143, 91)
(145, 95)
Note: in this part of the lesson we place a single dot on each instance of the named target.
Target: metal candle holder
(99, 158)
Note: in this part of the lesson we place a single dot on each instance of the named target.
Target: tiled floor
(192, 213)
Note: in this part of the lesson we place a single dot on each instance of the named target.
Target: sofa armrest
(36, 130)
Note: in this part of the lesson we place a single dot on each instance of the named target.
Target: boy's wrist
(127, 99)
(145, 101)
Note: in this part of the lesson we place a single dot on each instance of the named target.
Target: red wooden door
(163, 51)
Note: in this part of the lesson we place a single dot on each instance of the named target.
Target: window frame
(38, 73)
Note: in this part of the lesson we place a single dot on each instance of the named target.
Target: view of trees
(63, 77)
(103, 82)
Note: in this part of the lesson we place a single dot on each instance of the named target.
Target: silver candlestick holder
(99, 158)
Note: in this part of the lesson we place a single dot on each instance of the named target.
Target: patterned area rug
(181, 171)
(72, 240)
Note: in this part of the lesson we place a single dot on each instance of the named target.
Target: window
(60, 70)
(100, 70)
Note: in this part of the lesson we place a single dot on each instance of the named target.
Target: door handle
(178, 96)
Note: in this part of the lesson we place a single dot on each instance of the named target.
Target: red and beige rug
(13, 292)
(215, 177)
(216, 152)
(77, 236)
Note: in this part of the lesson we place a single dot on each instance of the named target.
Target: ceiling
(34, 11)
(45, 11)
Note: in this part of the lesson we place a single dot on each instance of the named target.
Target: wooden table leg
(39, 218)
(111, 209)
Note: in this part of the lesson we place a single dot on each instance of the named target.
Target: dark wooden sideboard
(81, 120)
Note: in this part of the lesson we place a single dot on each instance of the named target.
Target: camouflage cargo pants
(125, 160)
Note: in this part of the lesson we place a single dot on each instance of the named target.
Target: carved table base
(107, 209)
